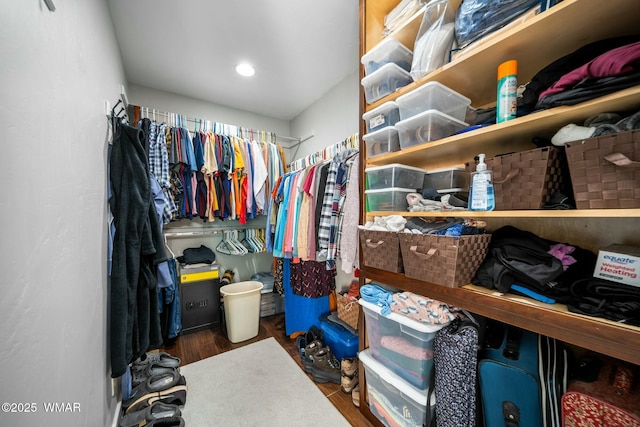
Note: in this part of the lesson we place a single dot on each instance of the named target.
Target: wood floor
(209, 342)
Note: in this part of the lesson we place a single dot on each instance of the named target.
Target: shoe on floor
(156, 411)
(301, 343)
(169, 388)
(141, 375)
(325, 367)
(347, 384)
(167, 422)
(355, 396)
(349, 366)
(309, 351)
(315, 334)
(159, 358)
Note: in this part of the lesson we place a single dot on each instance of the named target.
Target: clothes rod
(192, 233)
(150, 113)
(207, 232)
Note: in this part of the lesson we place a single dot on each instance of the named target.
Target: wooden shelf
(535, 43)
(554, 320)
(514, 135)
(571, 213)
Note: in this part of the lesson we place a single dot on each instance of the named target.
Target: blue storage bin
(343, 343)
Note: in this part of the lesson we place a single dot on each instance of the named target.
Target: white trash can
(242, 309)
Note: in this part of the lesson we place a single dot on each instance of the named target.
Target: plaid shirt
(324, 229)
(159, 167)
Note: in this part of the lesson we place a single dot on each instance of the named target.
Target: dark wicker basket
(443, 260)
(605, 171)
(381, 249)
(525, 180)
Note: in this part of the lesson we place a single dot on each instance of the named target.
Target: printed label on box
(619, 263)
(376, 121)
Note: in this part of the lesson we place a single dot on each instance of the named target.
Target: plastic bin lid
(384, 49)
(450, 190)
(383, 190)
(412, 121)
(404, 320)
(394, 165)
(408, 97)
(389, 68)
(417, 395)
(384, 131)
(387, 106)
(447, 170)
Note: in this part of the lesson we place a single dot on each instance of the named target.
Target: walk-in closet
(340, 213)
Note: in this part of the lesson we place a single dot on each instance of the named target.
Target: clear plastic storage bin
(427, 126)
(450, 179)
(387, 51)
(433, 96)
(384, 81)
(394, 175)
(382, 141)
(392, 400)
(402, 344)
(382, 116)
(388, 199)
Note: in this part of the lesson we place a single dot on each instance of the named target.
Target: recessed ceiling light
(245, 69)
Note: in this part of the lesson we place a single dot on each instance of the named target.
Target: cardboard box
(619, 263)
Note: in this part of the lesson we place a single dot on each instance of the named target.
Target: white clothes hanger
(166, 244)
(235, 242)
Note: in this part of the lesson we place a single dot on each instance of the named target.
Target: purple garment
(562, 251)
(615, 62)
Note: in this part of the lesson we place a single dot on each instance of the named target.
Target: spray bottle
(506, 105)
(481, 194)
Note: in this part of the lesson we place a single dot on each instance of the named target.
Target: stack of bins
(270, 302)
(430, 112)
(398, 367)
(387, 67)
(388, 186)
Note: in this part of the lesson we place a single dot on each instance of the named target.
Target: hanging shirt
(303, 219)
(250, 205)
(349, 239)
(260, 175)
(283, 195)
(159, 168)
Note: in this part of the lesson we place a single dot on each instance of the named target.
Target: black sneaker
(169, 388)
(325, 367)
(156, 411)
(155, 358)
(167, 422)
(141, 375)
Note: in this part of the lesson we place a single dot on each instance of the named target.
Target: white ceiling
(299, 48)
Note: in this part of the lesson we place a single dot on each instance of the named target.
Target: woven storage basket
(525, 180)
(348, 310)
(443, 260)
(381, 249)
(605, 171)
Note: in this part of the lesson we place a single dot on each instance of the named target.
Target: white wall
(195, 108)
(56, 71)
(331, 119)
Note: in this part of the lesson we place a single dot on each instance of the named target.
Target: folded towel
(378, 296)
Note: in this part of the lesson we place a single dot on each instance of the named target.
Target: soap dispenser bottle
(481, 195)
